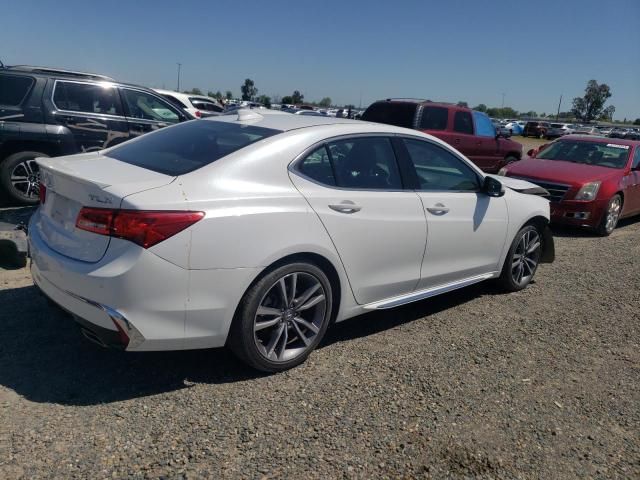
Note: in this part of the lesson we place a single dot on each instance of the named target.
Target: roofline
(56, 71)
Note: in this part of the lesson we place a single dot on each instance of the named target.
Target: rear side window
(391, 113)
(462, 123)
(87, 98)
(14, 89)
(188, 146)
(434, 118)
(366, 163)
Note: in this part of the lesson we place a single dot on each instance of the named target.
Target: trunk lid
(86, 180)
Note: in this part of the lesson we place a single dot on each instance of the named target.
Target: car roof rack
(57, 71)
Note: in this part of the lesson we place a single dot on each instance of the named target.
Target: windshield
(611, 155)
(188, 146)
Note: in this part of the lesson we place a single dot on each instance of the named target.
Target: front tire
(611, 216)
(20, 177)
(282, 318)
(522, 259)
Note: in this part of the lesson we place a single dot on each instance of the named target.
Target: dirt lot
(544, 383)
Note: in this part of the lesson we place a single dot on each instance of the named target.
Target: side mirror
(492, 187)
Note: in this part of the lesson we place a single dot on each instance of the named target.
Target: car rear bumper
(136, 300)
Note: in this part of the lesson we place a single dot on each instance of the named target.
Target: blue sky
(470, 50)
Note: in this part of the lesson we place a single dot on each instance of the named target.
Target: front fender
(548, 246)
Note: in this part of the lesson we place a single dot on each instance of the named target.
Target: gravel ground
(544, 383)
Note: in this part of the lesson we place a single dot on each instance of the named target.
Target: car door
(632, 196)
(465, 140)
(91, 111)
(466, 229)
(147, 112)
(378, 228)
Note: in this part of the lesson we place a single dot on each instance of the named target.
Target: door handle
(346, 206)
(438, 209)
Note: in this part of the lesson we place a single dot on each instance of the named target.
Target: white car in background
(197, 105)
(258, 230)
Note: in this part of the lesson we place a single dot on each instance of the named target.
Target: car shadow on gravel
(44, 357)
(564, 231)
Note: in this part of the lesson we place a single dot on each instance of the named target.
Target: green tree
(297, 97)
(463, 104)
(607, 113)
(529, 114)
(228, 95)
(481, 108)
(636, 121)
(287, 100)
(591, 105)
(194, 91)
(264, 100)
(248, 89)
(325, 102)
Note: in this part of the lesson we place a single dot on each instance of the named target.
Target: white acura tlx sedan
(258, 230)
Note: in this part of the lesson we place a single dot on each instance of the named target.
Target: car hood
(560, 171)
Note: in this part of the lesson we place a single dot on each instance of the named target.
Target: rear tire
(611, 216)
(522, 260)
(282, 318)
(20, 178)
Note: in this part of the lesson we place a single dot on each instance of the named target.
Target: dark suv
(469, 131)
(536, 129)
(46, 112)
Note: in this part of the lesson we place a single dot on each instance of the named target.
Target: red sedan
(592, 181)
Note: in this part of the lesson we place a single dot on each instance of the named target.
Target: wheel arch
(548, 245)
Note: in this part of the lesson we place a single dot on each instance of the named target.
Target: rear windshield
(612, 155)
(396, 113)
(188, 146)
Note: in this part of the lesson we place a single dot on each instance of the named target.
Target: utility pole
(179, 66)
(559, 103)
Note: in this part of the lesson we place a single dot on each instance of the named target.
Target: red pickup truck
(469, 131)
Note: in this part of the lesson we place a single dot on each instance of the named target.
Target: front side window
(636, 159)
(462, 123)
(484, 127)
(87, 98)
(438, 169)
(148, 107)
(14, 89)
(434, 118)
(188, 146)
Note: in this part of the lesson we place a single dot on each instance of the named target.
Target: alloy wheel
(526, 257)
(25, 178)
(289, 317)
(613, 214)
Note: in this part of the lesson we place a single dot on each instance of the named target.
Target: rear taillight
(198, 114)
(146, 228)
(42, 193)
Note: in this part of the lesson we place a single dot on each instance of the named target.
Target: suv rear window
(434, 118)
(392, 113)
(188, 146)
(14, 89)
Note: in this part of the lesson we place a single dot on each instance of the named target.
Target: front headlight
(589, 191)
(502, 172)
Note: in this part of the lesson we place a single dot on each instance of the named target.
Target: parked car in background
(47, 112)
(515, 127)
(592, 181)
(587, 130)
(197, 105)
(632, 134)
(469, 131)
(292, 204)
(536, 129)
(557, 130)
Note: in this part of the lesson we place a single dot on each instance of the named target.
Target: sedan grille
(557, 191)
